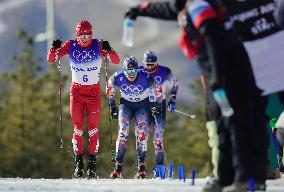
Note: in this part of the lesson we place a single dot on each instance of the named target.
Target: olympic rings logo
(132, 88)
(158, 79)
(84, 55)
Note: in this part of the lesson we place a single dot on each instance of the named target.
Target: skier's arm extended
(62, 50)
(161, 10)
(172, 84)
(213, 32)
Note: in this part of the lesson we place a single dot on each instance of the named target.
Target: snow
(109, 185)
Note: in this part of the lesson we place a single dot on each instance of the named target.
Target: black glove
(114, 112)
(132, 13)
(105, 46)
(156, 110)
(56, 43)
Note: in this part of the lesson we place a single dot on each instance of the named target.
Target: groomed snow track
(108, 185)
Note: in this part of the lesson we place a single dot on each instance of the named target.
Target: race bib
(87, 73)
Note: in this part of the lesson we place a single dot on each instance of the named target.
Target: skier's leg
(141, 134)
(159, 125)
(158, 122)
(93, 108)
(77, 116)
(124, 117)
(77, 108)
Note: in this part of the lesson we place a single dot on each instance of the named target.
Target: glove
(171, 106)
(114, 112)
(56, 43)
(156, 110)
(132, 13)
(105, 46)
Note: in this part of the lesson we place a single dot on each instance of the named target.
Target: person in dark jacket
(166, 82)
(259, 24)
(225, 65)
(134, 87)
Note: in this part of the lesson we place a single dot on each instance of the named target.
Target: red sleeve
(113, 56)
(63, 50)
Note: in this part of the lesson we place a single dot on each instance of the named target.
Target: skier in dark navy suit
(134, 87)
(165, 82)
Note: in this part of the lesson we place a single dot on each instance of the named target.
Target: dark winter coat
(221, 55)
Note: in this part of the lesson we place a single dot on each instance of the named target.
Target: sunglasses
(84, 36)
(133, 71)
(150, 64)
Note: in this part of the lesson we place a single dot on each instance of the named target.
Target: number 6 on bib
(85, 78)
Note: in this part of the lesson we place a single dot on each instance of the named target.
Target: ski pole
(109, 114)
(185, 114)
(60, 95)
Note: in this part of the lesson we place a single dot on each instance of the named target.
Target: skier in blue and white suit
(165, 81)
(134, 89)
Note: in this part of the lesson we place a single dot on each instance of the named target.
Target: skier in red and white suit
(85, 55)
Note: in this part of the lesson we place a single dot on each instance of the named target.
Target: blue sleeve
(173, 83)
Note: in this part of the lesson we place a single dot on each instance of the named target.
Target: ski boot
(117, 171)
(79, 166)
(92, 167)
(155, 172)
(141, 173)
